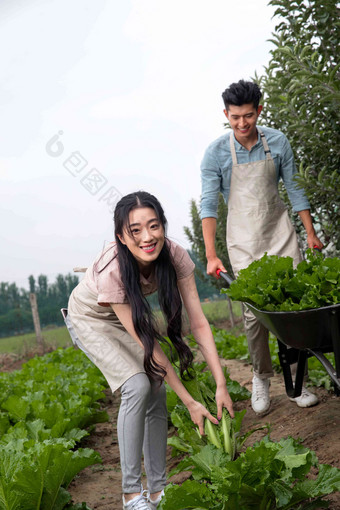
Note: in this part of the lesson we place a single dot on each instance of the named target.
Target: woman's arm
(201, 330)
(197, 411)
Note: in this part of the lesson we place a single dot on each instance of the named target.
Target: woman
(110, 319)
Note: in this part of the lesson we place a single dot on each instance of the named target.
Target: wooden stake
(36, 320)
(231, 313)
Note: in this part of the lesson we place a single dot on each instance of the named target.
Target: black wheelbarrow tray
(300, 335)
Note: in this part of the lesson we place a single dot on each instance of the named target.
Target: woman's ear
(121, 238)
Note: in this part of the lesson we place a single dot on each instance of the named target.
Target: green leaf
(327, 481)
(190, 494)
(17, 407)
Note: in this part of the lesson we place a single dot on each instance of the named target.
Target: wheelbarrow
(300, 335)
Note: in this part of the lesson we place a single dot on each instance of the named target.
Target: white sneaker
(153, 504)
(137, 503)
(306, 399)
(260, 400)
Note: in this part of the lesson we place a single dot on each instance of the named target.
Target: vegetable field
(317, 428)
(45, 409)
(52, 425)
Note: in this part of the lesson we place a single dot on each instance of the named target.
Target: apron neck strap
(264, 143)
(232, 148)
(263, 140)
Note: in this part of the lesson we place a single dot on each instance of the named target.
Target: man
(245, 166)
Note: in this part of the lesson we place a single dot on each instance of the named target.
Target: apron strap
(265, 144)
(232, 148)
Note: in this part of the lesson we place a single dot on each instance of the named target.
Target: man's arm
(209, 234)
(312, 239)
(297, 195)
(211, 179)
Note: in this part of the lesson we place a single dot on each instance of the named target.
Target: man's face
(243, 120)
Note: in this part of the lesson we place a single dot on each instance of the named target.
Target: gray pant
(142, 427)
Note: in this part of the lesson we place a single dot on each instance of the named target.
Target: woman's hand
(223, 400)
(197, 413)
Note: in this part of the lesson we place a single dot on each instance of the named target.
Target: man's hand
(312, 238)
(212, 266)
(313, 241)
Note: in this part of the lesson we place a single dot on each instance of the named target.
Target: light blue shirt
(217, 164)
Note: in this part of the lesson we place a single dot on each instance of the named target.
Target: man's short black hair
(242, 92)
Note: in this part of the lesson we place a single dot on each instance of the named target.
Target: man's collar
(239, 146)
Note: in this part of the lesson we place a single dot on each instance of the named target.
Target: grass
(215, 311)
(22, 345)
(218, 311)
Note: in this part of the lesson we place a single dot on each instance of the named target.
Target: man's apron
(257, 222)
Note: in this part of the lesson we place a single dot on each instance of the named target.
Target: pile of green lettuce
(271, 283)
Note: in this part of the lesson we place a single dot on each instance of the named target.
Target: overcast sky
(101, 98)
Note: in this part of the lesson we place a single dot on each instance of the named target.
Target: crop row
(268, 475)
(44, 409)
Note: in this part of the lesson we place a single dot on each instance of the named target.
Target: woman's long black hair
(168, 294)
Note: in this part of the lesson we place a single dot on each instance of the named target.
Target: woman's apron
(257, 222)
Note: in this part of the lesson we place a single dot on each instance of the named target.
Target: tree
(42, 290)
(302, 98)
(15, 308)
(31, 282)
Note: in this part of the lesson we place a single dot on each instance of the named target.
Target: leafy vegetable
(221, 435)
(212, 433)
(226, 435)
(37, 477)
(271, 283)
(43, 409)
(267, 476)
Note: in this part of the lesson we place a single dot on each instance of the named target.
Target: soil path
(318, 427)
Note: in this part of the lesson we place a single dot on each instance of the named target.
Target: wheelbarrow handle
(225, 276)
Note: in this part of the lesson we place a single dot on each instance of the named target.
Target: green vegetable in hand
(228, 434)
(222, 435)
(212, 434)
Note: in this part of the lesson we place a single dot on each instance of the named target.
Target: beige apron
(98, 332)
(257, 222)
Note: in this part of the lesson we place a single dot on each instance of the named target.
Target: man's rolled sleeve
(211, 185)
(288, 171)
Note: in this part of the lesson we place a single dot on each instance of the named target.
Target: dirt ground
(318, 427)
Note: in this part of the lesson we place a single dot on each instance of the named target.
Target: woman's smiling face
(143, 235)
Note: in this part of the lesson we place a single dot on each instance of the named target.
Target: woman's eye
(155, 226)
(135, 231)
